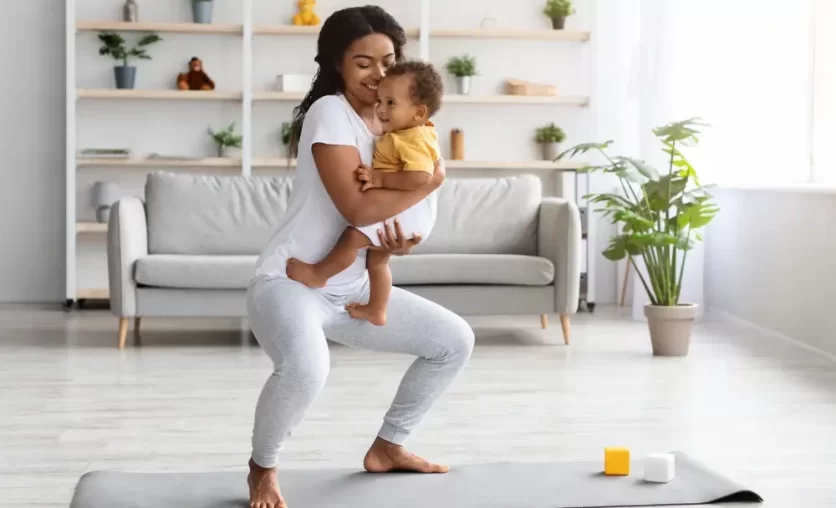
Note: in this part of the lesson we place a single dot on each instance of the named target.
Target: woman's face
(364, 65)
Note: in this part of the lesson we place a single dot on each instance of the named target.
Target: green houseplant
(225, 140)
(558, 11)
(462, 67)
(115, 46)
(549, 137)
(660, 215)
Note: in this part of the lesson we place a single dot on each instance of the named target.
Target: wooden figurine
(196, 78)
(306, 14)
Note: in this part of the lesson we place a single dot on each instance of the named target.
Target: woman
(290, 320)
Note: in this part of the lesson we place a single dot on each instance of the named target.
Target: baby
(404, 158)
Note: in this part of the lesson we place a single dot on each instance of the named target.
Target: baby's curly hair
(427, 86)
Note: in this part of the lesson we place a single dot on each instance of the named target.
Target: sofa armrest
(127, 241)
(559, 240)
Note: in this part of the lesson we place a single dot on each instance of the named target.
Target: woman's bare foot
(384, 457)
(264, 487)
(373, 315)
(305, 273)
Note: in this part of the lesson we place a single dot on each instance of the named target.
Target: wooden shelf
(278, 96)
(307, 30)
(159, 162)
(510, 33)
(90, 227)
(122, 26)
(526, 165)
(273, 163)
(457, 164)
(199, 95)
(456, 99)
(569, 100)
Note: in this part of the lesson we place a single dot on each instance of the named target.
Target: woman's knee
(304, 368)
(456, 335)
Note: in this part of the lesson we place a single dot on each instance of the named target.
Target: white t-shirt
(312, 223)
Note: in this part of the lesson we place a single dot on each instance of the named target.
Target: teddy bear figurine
(196, 78)
(306, 14)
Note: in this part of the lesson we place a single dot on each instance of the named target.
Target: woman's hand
(394, 241)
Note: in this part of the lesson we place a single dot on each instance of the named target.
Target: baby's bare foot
(384, 457)
(373, 315)
(264, 487)
(305, 273)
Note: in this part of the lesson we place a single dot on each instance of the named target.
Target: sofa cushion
(195, 272)
(203, 214)
(508, 269)
(234, 272)
(486, 216)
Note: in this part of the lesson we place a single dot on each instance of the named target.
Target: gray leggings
(291, 322)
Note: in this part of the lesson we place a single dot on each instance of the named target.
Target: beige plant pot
(670, 328)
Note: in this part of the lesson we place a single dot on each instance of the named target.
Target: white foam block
(659, 467)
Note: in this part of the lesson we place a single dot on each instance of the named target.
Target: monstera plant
(660, 215)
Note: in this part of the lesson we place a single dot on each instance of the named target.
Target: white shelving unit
(247, 97)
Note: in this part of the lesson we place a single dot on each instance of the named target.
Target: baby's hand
(369, 178)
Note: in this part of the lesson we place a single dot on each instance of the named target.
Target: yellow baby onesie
(413, 149)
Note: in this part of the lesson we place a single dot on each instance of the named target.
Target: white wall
(769, 261)
(32, 212)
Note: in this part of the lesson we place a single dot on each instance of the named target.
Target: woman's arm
(337, 165)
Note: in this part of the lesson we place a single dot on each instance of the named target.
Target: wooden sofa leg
(544, 321)
(137, 320)
(123, 331)
(567, 329)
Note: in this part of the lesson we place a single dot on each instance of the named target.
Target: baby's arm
(405, 180)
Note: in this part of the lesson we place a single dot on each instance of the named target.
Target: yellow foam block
(616, 461)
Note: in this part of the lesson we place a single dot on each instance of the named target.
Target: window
(745, 67)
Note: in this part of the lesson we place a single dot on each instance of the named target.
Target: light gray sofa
(189, 248)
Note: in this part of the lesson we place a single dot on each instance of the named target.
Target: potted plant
(462, 67)
(226, 140)
(660, 215)
(549, 137)
(113, 45)
(202, 11)
(558, 11)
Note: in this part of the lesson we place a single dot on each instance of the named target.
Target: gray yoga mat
(494, 485)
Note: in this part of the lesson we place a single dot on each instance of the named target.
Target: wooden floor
(755, 407)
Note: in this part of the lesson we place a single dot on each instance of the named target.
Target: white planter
(670, 328)
(550, 150)
(463, 85)
(230, 152)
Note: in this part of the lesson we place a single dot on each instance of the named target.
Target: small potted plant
(549, 137)
(659, 217)
(228, 143)
(462, 67)
(558, 11)
(202, 11)
(113, 45)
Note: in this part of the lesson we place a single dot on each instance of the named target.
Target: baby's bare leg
(380, 286)
(344, 253)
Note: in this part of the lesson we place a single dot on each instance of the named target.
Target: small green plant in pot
(463, 68)
(558, 11)
(660, 215)
(549, 137)
(114, 45)
(226, 141)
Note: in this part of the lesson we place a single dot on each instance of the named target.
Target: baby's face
(395, 108)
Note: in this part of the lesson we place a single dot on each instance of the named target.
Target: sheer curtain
(744, 67)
